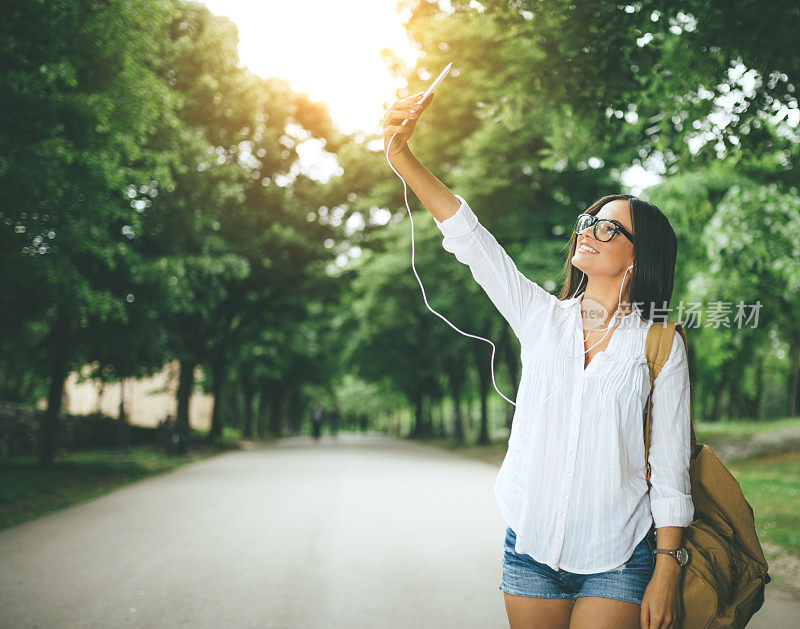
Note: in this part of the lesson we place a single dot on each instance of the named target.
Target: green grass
(27, 491)
(771, 484)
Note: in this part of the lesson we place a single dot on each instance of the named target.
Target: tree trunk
(185, 386)
(261, 413)
(734, 373)
(248, 393)
(704, 405)
(275, 402)
(458, 421)
(55, 392)
(733, 399)
(427, 413)
(123, 437)
(455, 378)
(235, 402)
(294, 415)
(470, 423)
(283, 410)
(759, 401)
(297, 409)
(218, 376)
(419, 423)
(718, 393)
(484, 381)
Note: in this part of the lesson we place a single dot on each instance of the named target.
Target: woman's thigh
(525, 612)
(605, 613)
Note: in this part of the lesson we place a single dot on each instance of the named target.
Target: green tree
(226, 210)
(78, 107)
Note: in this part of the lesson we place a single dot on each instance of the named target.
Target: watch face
(682, 556)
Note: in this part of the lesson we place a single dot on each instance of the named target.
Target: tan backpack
(723, 583)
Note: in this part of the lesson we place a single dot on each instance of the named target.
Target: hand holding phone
(408, 110)
(431, 87)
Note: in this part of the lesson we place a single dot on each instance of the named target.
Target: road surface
(350, 532)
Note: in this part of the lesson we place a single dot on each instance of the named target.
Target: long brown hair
(655, 251)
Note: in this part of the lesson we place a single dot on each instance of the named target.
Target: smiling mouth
(587, 249)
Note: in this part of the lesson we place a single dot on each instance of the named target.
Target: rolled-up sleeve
(513, 294)
(670, 441)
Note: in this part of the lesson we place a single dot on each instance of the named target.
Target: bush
(20, 430)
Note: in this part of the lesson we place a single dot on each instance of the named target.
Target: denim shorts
(524, 576)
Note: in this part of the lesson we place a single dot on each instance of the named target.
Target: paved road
(361, 532)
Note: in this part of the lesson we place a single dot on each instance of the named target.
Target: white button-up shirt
(572, 485)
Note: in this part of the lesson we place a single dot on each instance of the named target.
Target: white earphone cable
(443, 318)
(424, 297)
(614, 316)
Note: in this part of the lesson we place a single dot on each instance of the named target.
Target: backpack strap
(657, 348)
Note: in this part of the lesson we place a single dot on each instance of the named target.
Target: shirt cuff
(460, 223)
(673, 511)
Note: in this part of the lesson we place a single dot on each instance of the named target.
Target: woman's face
(612, 257)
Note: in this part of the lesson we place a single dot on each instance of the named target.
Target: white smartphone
(432, 87)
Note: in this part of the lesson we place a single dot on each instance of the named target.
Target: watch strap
(673, 553)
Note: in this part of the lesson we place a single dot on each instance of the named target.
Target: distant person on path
(580, 540)
(316, 420)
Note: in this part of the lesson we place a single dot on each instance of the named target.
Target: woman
(582, 525)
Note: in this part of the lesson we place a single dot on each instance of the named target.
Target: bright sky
(329, 50)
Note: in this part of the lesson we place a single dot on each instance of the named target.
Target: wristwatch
(681, 554)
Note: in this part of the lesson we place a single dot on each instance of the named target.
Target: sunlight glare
(329, 50)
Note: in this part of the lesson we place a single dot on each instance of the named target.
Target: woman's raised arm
(435, 196)
(514, 295)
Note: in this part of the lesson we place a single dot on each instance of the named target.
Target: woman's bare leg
(525, 612)
(605, 613)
